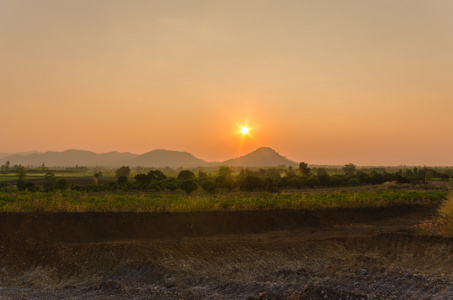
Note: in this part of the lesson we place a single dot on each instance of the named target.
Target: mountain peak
(261, 157)
(264, 150)
(162, 158)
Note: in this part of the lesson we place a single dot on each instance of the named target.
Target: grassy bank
(443, 224)
(71, 201)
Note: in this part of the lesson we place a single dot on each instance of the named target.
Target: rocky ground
(324, 254)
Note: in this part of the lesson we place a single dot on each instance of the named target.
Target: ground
(283, 254)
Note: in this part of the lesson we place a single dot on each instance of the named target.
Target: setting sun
(244, 130)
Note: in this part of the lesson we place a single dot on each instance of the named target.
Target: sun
(244, 130)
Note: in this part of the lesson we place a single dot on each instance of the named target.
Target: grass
(443, 224)
(71, 201)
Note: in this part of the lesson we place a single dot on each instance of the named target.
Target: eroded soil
(325, 254)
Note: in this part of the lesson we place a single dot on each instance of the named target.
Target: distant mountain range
(261, 157)
(18, 153)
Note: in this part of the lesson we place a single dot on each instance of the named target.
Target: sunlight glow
(244, 130)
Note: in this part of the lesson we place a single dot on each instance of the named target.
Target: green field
(72, 201)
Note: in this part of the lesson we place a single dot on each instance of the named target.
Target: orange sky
(325, 82)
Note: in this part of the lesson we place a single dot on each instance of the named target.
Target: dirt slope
(325, 254)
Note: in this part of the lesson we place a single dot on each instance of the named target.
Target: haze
(325, 82)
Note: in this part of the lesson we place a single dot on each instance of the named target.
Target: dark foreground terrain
(325, 254)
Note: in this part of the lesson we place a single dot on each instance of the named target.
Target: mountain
(261, 157)
(162, 158)
(68, 158)
(2, 155)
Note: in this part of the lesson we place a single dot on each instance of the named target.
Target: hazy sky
(325, 82)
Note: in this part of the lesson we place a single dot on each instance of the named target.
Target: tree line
(270, 180)
(226, 179)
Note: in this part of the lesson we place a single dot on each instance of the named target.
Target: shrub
(312, 181)
(251, 183)
(188, 186)
(142, 180)
(443, 224)
(61, 184)
(353, 181)
(122, 179)
(186, 174)
(209, 186)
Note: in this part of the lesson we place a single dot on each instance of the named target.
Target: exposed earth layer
(333, 253)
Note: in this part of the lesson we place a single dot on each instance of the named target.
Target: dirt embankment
(331, 253)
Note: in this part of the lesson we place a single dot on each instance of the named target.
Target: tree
(323, 176)
(378, 178)
(123, 171)
(142, 180)
(122, 179)
(61, 184)
(186, 174)
(208, 185)
(5, 167)
(49, 182)
(158, 185)
(269, 185)
(225, 178)
(97, 177)
(202, 176)
(156, 175)
(349, 169)
(20, 171)
(225, 173)
(304, 169)
(171, 184)
(444, 177)
(189, 186)
(252, 182)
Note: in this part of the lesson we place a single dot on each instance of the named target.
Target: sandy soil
(324, 254)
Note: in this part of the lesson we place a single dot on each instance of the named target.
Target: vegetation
(123, 172)
(443, 224)
(224, 179)
(73, 201)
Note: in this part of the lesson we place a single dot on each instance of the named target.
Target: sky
(324, 82)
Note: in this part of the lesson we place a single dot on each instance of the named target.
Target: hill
(68, 158)
(261, 157)
(162, 158)
(2, 155)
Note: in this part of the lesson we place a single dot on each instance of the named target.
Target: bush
(122, 179)
(186, 174)
(312, 181)
(61, 184)
(296, 182)
(251, 183)
(188, 186)
(209, 186)
(353, 181)
(142, 180)
(171, 184)
(21, 185)
(158, 185)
